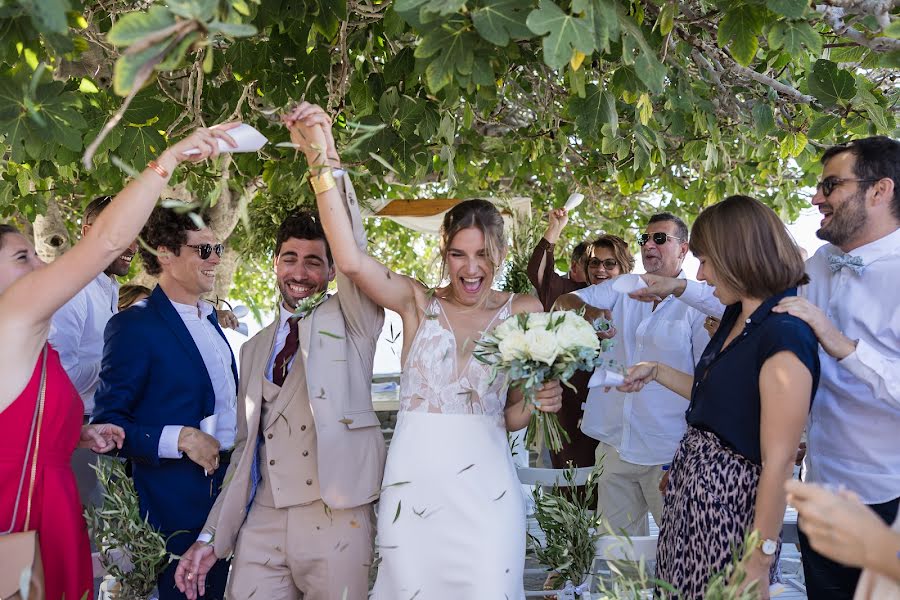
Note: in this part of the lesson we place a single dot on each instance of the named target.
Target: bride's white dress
(451, 519)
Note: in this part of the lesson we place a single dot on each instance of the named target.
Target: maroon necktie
(291, 343)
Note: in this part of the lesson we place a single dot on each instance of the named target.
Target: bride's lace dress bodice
(434, 381)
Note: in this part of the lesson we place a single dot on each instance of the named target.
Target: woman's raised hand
(204, 140)
(310, 128)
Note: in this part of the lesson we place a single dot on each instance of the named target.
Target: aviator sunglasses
(659, 238)
(206, 250)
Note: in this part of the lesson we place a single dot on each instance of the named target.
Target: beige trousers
(626, 492)
(311, 550)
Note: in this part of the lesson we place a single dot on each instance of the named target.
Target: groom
(296, 509)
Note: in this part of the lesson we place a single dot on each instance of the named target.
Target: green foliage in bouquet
(117, 525)
(570, 527)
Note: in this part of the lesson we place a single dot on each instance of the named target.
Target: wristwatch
(768, 547)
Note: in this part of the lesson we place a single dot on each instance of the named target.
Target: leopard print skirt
(709, 506)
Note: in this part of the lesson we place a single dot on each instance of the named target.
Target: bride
(451, 518)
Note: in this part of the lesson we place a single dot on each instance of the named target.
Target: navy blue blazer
(152, 375)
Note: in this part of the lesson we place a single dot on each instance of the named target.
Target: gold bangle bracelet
(322, 182)
(158, 169)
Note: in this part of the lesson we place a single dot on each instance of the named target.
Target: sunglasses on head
(659, 238)
(609, 264)
(828, 184)
(206, 250)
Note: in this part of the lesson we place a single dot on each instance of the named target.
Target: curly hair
(303, 225)
(617, 246)
(165, 228)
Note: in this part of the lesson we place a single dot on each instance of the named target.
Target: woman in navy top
(750, 395)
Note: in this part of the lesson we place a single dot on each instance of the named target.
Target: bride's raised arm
(310, 130)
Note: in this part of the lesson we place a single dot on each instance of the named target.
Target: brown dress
(580, 449)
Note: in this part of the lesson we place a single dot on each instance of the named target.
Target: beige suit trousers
(626, 492)
(282, 553)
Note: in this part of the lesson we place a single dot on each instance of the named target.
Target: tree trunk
(51, 238)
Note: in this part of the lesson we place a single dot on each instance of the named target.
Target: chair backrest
(550, 477)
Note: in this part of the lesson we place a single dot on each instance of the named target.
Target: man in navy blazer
(166, 367)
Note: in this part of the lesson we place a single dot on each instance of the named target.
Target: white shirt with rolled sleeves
(855, 418)
(647, 426)
(217, 358)
(76, 332)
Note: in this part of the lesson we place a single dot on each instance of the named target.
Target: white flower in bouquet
(513, 345)
(542, 345)
(575, 332)
(533, 348)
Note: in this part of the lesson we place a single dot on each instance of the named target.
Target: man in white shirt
(639, 432)
(851, 304)
(170, 380)
(76, 332)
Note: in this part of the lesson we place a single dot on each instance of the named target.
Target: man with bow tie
(851, 304)
(296, 508)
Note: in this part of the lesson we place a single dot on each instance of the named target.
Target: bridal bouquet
(533, 348)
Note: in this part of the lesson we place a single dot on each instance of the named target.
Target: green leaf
(597, 108)
(176, 55)
(792, 145)
(502, 20)
(647, 66)
(829, 84)
(666, 20)
(763, 120)
(793, 9)
(135, 26)
(49, 16)
(140, 145)
(822, 127)
(603, 17)
(739, 30)
(793, 35)
(233, 30)
(563, 33)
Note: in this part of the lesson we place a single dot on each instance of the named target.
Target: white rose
(513, 345)
(576, 332)
(538, 320)
(542, 345)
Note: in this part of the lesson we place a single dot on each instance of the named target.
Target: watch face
(769, 547)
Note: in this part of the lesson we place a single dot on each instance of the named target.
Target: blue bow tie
(836, 262)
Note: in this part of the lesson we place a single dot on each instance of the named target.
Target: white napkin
(628, 283)
(573, 201)
(247, 138)
(241, 311)
(243, 329)
(606, 378)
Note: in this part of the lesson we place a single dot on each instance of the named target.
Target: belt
(225, 456)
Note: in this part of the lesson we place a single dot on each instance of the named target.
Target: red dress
(55, 509)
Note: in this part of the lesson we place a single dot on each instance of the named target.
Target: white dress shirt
(855, 417)
(76, 332)
(646, 426)
(216, 355)
(280, 337)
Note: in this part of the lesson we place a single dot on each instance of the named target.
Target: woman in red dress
(30, 292)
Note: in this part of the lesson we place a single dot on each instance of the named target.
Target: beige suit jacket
(337, 348)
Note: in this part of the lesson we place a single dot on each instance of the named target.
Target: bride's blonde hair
(475, 213)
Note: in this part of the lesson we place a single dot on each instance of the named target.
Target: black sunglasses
(206, 250)
(609, 264)
(828, 184)
(659, 238)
